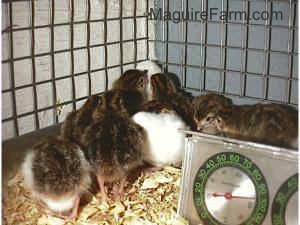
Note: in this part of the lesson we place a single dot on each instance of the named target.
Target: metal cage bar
(267, 47)
(88, 43)
(223, 45)
(203, 36)
(291, 47)
(186, 26)
(205, 6)
(135, 31)
(105, 46)
(244, 43)
(121, 34)
(52, 53)
(183, 26)
(147, 30)
(55, 105)
(166, 36)
(72, 54)
(37, 124)
(247, 50)
(12, 73)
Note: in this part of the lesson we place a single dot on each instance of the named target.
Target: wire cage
(57, 53)
(255, 59)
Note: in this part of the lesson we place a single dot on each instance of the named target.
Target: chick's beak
(146, 79)
(199, 127)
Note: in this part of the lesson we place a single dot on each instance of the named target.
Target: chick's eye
(141, 82)
(209, 118)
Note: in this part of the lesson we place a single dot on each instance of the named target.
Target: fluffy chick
(113, 144)
(203, 105)
(57, 173)
(165, 91)
(133, 80)
(76, 122)
(272, 124)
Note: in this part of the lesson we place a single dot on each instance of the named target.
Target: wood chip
(150, 200)
(149, 184)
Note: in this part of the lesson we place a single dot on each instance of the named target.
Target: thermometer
(230, 189)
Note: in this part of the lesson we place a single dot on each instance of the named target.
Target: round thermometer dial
(285, 204)
(230, 189)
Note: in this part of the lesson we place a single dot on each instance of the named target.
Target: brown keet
(125, 101)
(204, 107)
(57, 174)
(162, 86)
(272, 124)
(134, 80)
(76, 121)
(128, 93)
(104, 129)
(167, 93)
(113, 144)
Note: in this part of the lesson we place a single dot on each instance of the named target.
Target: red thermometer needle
(229, 196)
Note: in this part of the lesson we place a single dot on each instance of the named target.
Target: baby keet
(57, 173)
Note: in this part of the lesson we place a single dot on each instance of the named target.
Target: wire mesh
(72, 31)
(253, 60)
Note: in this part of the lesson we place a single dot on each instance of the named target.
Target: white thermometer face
(230, 196)
(230, 189)
(291, 215)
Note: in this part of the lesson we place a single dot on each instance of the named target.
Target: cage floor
(151, 199)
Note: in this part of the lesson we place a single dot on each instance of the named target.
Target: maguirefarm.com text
(212, 14)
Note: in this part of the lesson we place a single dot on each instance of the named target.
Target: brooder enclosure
(57, 53)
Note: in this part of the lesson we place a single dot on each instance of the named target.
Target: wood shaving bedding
(149, 200)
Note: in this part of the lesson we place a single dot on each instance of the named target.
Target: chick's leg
(118, 192)
(122, 185)
(74, 213)
(102, 188)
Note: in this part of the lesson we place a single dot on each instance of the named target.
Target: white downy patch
(166, 143)
(27, 170)
(60, 205)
